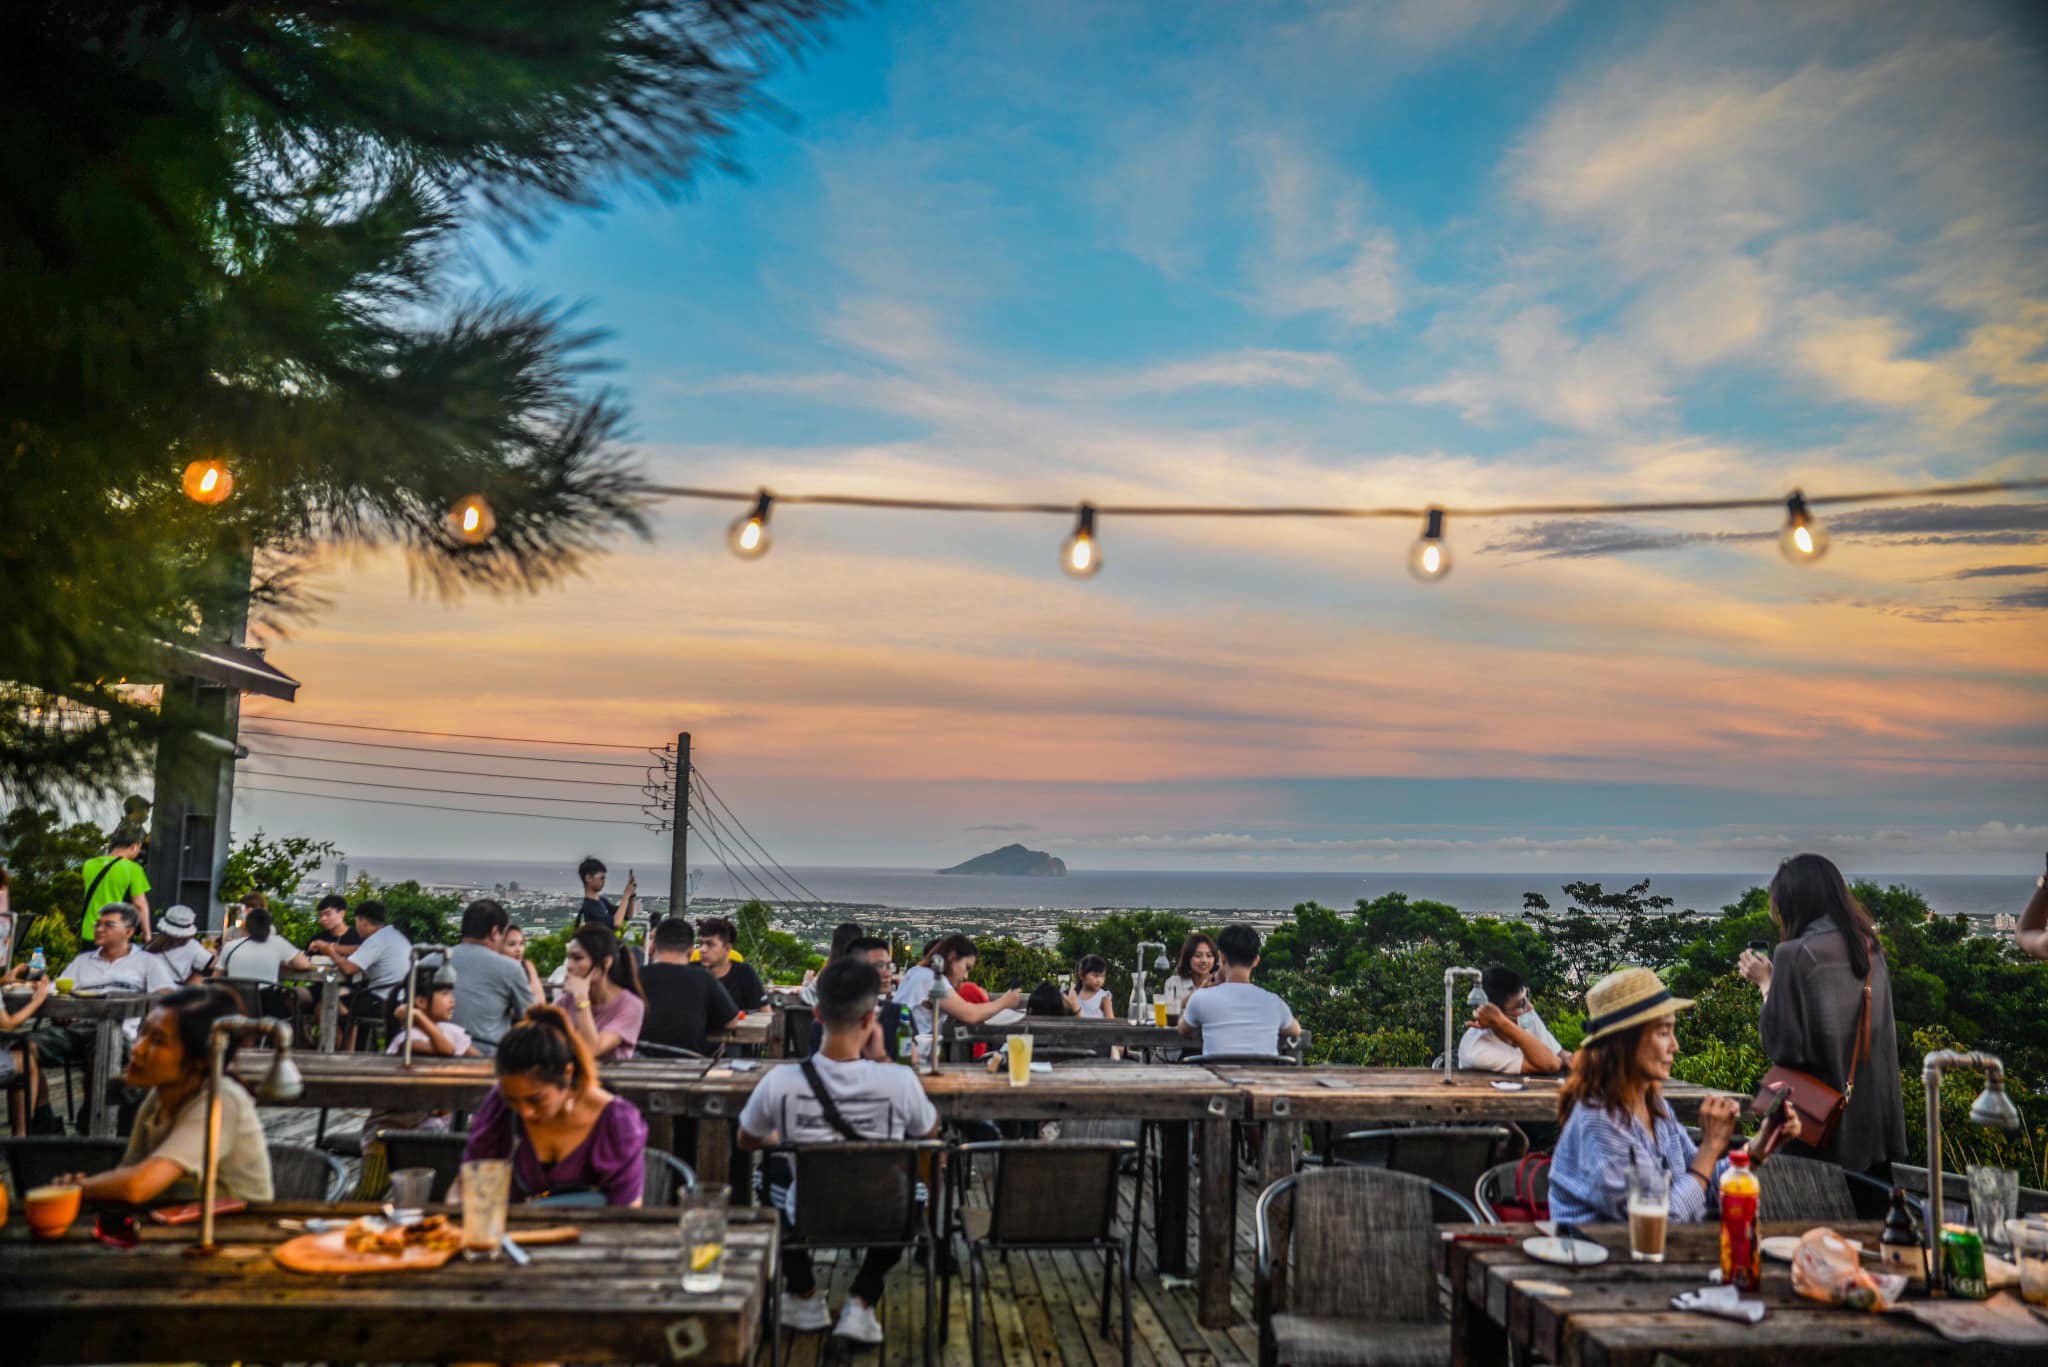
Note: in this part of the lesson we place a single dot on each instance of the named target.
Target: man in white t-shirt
(114, 964)
(875, 1101)
(1234, 1017)
(1506, 1034)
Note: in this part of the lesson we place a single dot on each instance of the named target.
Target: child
(434, 1033)
(18, 1056)
(1091, 1001)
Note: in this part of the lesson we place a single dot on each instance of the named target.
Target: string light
(1804, 540)
(748, 536)
(471, 520)
(208, 481)
(1429, 559)
(1079, 555)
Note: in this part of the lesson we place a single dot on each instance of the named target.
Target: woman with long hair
(951, 959)
(1827, 1009)
(601, 992)
(167, 1150)
(1200, 966)
(569, 1140)
(1616, 1119)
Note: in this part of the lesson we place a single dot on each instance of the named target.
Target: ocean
(1492, 894)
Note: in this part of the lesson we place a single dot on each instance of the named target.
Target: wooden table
(1065, 1032)
(614, 1296)
(1353, 1098)
(756, 1033)
(1619, 1313)
(104, 1014)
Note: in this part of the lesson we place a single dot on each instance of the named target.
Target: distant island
(1013, 861)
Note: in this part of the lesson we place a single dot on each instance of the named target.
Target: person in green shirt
(118, 878)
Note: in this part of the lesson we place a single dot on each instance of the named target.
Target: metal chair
(1497, 1184)
(33, 1160)
(259, 998)
(863, 1196)
(646, 1048)
(1455, 1156)
(1343, 1268)
(440, 1150)
(668, 1177)
(1242, 1060)
(1814, 1191)
(299, 1172)
(1054, 1194)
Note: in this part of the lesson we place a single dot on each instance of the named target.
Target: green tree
(1601, 931)
(272, 866)
(777, 955)
(238, 249)
(1116, 938)
(43, 858)
(1007, 962)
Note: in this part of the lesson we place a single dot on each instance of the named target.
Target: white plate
(1565, 1252)
(1507, 1086)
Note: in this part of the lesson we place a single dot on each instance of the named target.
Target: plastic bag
(1827, 1268)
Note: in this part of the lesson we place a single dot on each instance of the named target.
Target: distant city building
(341, 872)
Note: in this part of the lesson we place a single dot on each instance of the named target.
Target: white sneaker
(857, 1322)
(805, 1314)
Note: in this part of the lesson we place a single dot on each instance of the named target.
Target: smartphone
(189, 1214)
(1762, 947)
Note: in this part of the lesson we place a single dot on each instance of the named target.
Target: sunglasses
(115, 1229)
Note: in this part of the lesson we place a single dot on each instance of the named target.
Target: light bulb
(471, 520)
(208, 481)
(1079, 555)
(748, 536)
(1429, 559)
(1804, 540)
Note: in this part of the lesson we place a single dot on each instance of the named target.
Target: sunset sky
(1456, 251)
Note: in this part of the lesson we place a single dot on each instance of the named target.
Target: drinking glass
(703, 1238)
(486, 1187)
(1994, 1199)
(1159, 1011)
(1020, 1060)
(412, 1188)
(1649, 1213)
(2030, 1250)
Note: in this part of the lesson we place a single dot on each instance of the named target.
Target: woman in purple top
(564, 1133)
(601, 992)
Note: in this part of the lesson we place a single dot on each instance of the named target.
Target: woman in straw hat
(1615, 1118)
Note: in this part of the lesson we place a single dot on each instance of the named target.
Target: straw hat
(1628, 997)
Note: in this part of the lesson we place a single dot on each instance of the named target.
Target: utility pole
(679, 833)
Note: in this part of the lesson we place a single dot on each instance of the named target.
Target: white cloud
(1321, 253)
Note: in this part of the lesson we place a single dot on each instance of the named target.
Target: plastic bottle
(37, 966)
(1742, 1255)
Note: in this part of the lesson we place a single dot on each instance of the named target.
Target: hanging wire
(434, 749)
(705, 786)
(452, 792)
(242, 787)
(273, 718)
(445, 772)
(744, 886)
(785, 891)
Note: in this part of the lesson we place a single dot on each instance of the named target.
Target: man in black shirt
(599, 910)
(715, 936)
(685, 1004)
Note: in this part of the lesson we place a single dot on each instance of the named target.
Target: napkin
(1724, 1301)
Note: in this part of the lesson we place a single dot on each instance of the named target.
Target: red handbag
(1820, 1106)
(1526, 1208)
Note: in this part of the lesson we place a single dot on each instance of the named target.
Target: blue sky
(1462, 252)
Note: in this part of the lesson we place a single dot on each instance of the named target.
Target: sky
(1423, 251)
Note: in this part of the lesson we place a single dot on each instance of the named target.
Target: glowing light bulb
(1804, 540)
(1079, 555)
(748, 536)
(471, 520)
(1429, 559)
(208, 481)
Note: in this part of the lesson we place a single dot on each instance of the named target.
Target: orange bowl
(50, 1210)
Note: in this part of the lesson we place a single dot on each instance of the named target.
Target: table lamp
(281, 1083)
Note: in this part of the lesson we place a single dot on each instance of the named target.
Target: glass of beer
(1020, 1060)
(1159, 1011)
(486, 1188)
(1649, 1213)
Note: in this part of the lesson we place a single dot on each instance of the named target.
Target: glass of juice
(1020, 1060)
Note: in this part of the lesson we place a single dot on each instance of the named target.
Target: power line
(786, 892)
(271, 718)
(1066, 509)
(429, 769)
(453, 792)
(742, 885)
(430, 806)
(437, 750)
(697, 776)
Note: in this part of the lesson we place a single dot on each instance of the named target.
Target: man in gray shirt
(491, 991)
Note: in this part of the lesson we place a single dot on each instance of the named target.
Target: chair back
(1454, 1155)
(259, 998)
(853, 1194)
(1356, 1242)
(299, 1172)
(1065, 1053)
(1804, 1189)
(440, 1150)
(669, 1179)
(1497, 1185)
(32, 1161)
(1242, 1060)
(1054, 1191)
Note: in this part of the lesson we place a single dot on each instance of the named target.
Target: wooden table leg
(106, 1054)
(1279, 1152)
(1475, 1338)
(1170, 1217)
(1219, 1223)
(714, 1149)
(330, 1013)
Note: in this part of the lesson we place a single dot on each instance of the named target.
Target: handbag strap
(1527, 1194)
(97, 879)
(827, 1104)
(1862, 1042)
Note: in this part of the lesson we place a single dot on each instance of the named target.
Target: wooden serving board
(330, 1253)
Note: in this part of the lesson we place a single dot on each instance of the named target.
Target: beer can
(1962, 1255)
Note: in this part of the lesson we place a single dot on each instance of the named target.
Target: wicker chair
(1807, 1190)
(1343, 1269)
(647, 1048)
(862, 1195)
(1453, 1155)
(1241, 1060)
(1054, 1194)
(32, 1160)
(1497, 1184)
(299, 1172)
(668, 1179)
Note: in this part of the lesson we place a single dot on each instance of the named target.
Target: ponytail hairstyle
(546, 1048)
(601, 943)
(1809, 888)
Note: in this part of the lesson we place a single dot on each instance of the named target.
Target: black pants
(875, 1263)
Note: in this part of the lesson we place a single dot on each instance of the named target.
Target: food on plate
(373, 1235)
